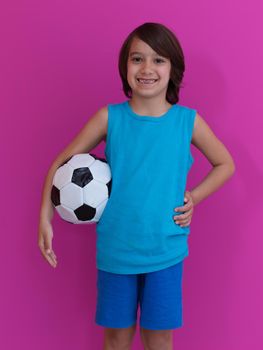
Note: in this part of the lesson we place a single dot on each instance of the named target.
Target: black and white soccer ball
(81, 188)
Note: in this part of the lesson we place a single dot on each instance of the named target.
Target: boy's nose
(147, 67)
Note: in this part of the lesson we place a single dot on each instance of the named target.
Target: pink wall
(58, 66)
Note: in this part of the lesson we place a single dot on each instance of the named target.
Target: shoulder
(116, 106)
(186, 110)
(104, 111)
(203, 136)
(100, 119)
(199, 125)
(189, 114)
(102, 115)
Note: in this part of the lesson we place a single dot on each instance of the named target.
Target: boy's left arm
(223, 168)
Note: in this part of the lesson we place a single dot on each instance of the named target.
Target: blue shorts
(159, 294)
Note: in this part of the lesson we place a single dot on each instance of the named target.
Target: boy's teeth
(147, 80)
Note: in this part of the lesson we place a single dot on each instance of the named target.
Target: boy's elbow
(232, 168)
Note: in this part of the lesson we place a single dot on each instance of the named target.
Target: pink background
(58, 66)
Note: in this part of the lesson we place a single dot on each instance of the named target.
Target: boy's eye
(160, 60)
(136, 59)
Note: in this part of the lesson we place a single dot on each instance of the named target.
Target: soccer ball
(81, 188)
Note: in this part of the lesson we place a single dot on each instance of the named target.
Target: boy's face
(143, 62)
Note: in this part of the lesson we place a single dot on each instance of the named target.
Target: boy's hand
(185, 218)
(45, 243)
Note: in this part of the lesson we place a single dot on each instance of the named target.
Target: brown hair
(165, 43)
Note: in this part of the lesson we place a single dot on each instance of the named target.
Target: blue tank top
(149, 158)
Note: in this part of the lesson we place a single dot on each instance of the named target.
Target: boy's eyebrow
(137, 52)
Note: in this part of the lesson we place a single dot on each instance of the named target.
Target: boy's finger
(52, 255)
(51, 260)
(184, 208)
(183, 217)
(51, 252)
(179, 209)
(49, 257)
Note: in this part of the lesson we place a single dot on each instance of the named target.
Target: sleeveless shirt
(149, 158)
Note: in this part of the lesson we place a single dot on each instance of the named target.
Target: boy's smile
(145, 82)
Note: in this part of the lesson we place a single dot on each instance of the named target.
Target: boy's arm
(218, 156)
(93, 132)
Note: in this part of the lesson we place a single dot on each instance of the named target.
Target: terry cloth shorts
(158, 293)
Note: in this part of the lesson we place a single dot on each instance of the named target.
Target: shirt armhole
(191, 130)
(109, 127)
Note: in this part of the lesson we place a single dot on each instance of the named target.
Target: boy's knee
(119, 338)
(157, 339)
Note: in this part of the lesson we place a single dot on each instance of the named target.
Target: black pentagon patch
(81, 176)
(55, 196)
(85, 212)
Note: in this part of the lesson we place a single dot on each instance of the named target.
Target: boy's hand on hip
(187, 209)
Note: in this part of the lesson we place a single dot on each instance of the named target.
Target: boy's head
(164, 43)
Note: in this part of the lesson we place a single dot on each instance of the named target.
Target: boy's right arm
(93, 132)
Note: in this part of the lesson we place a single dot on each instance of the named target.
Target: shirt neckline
(148, 117)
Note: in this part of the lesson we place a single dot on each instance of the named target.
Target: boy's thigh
(117, 300)
(161, 299)
(159, 294)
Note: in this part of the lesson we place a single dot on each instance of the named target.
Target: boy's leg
(116, 309)
(156, 339)
(161, 306)
(118, 338)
